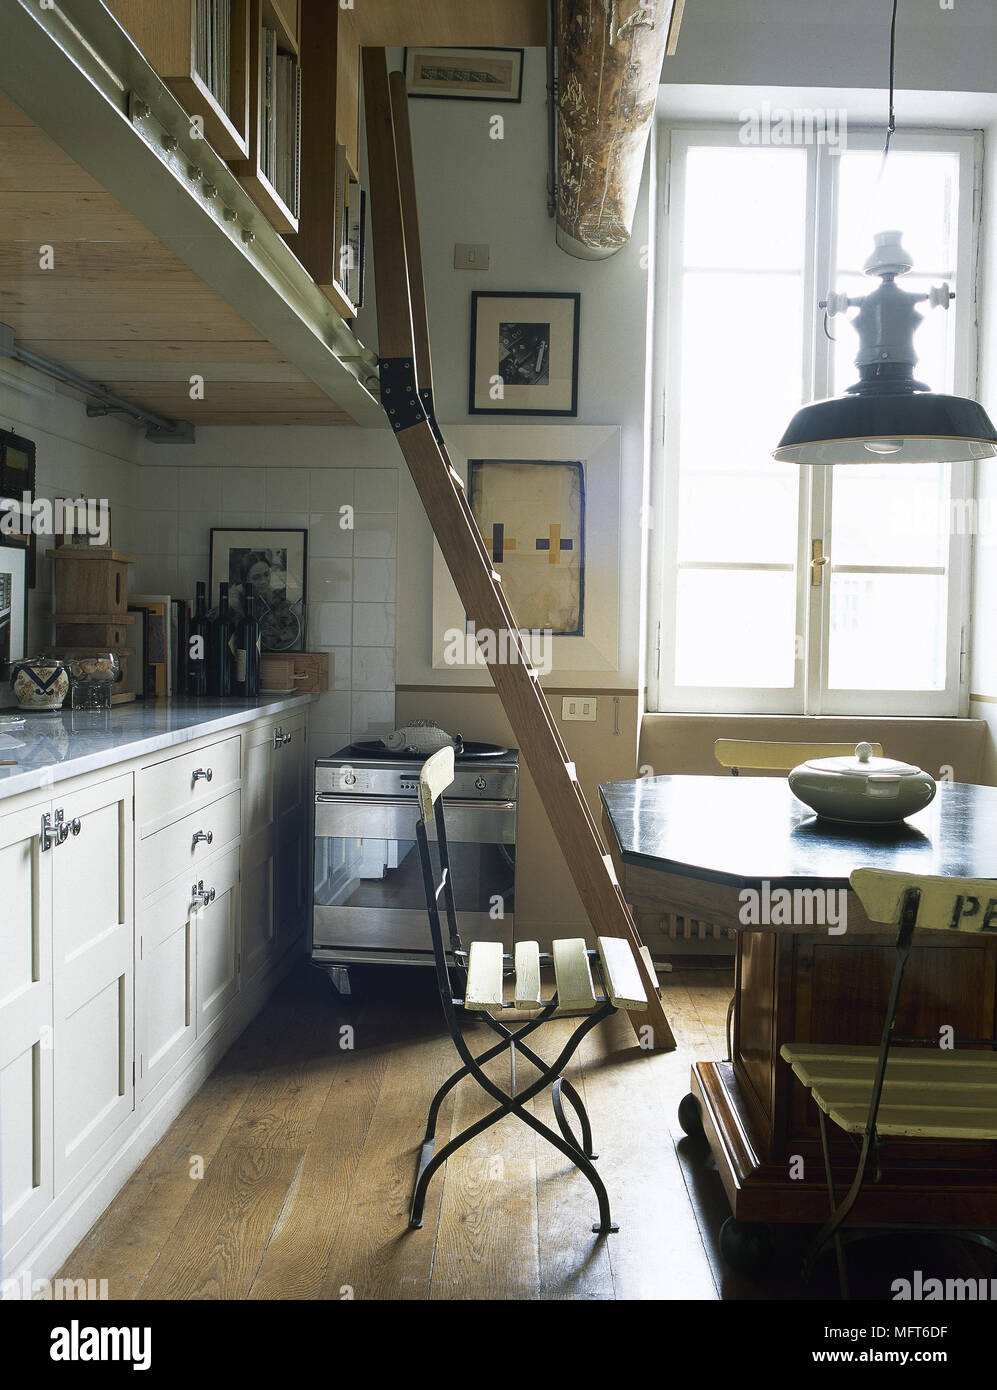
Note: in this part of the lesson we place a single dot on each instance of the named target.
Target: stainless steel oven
(369, 904)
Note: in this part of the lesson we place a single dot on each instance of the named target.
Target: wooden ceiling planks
(453, 23)
(119, 308)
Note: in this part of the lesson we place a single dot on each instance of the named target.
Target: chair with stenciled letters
(901, 1092)
(474, 980)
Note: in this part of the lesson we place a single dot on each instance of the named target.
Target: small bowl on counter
(862, 789)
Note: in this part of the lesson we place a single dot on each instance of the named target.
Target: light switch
(469, 256)
(580, 707)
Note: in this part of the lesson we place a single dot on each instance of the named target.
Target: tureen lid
(863, 764)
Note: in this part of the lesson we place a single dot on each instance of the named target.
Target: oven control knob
(480, 783)
(350, 779)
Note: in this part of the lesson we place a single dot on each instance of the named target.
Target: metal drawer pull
(58, 832)
(278, 736)
(286, 738)
(206, 773)
(206, 836)
(76, 825)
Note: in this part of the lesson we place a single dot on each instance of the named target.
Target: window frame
(810, 694)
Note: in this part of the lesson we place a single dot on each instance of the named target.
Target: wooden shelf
(266, 14)
(165, 32)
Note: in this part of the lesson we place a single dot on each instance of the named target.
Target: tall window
(777, 587)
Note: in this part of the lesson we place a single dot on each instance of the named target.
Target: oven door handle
(367, 802)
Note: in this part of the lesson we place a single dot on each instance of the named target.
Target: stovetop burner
(374, 748)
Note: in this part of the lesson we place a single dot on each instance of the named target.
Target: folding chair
(474, 980)
(911, 1092)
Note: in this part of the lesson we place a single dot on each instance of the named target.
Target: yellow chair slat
(484, 976)
(620, 974)
(935, 1095)
(573, 974)
(528, 975)
(947, 904)
(436, 775)
(761, 756)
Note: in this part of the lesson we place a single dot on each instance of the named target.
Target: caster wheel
(690, 1118)
(747, 1246)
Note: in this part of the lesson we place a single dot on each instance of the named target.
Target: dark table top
(741, 830)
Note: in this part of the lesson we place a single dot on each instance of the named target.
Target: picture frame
(597, 648)
(464, 74)
(17, 478)
(524, 352)
(13, 603)
(275, 561)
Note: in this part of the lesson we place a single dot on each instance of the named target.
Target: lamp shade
(900, 427)
(887, 416)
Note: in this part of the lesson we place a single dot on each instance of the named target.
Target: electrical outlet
(468, 256)
(582, 707)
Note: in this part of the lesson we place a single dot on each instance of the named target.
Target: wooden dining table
(719, 849)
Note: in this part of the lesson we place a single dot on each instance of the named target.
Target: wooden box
(91, 584)
(302, 672)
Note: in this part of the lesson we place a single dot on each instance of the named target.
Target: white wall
(475, 189)
(837, 43)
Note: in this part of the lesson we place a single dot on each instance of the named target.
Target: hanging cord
(892, 124)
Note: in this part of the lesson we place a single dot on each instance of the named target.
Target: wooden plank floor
(307, 1151)
(289, 1174)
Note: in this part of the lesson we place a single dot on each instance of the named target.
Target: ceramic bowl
(40, 683)
(862, 790)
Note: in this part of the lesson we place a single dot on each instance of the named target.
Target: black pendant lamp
(887, 416)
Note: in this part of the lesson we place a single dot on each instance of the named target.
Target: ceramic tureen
(862, 788)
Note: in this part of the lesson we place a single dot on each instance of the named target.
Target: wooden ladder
(407, 397)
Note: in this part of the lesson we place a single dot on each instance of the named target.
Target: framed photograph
(17, 483)
(13, 602)
(465, 74)
(524, 353)
(275, 562)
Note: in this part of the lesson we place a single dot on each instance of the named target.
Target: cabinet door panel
(93, 968)
(290, 760)
(257, 779)
(165, 984)
(293, 877)
(257, 903)
(217, 928)
(26, 1171)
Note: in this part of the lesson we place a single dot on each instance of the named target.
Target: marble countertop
(53, 747)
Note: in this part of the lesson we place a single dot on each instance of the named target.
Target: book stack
(213, 47)
(280, 135)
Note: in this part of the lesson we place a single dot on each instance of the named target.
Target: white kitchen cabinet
(132, 954)
(26, 1157)
(217, 940)
(93, 963)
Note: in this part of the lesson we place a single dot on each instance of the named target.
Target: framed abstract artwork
(465, 74)
(543, 575)
(546, 499)
(524, 353)
(275, 562)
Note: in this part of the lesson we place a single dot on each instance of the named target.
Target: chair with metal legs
(907, 1092)
(474, 979)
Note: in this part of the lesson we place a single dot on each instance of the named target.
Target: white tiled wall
(351, 571)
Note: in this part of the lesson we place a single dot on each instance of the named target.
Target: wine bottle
(197, 646)
(221, 648)
(249, 647)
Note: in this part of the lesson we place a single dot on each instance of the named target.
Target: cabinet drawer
(169, 790)
(174, 851)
